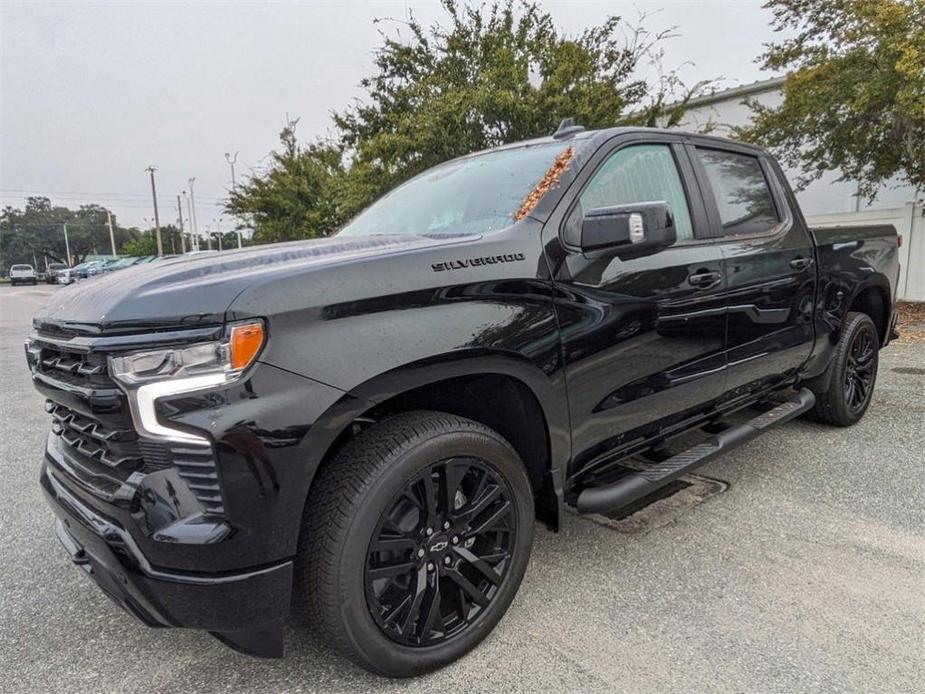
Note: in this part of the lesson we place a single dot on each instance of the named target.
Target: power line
(161, 200)
(73, 193)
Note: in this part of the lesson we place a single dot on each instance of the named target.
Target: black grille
(116, 447)
(91, 418)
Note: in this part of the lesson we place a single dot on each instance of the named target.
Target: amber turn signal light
(246, 341)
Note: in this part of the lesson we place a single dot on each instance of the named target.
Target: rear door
(768, 264)
(643, 339)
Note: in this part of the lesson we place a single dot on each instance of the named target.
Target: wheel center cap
(439, 544)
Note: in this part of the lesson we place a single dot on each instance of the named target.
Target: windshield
(468, 196)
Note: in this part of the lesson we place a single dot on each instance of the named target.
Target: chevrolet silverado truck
(363, 429)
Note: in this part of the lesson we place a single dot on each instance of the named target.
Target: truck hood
(196, 290)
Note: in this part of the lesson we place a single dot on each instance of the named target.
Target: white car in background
(23, 274)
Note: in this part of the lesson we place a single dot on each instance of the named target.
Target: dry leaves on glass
(559, 167)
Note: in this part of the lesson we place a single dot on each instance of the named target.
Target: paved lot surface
(807, 574)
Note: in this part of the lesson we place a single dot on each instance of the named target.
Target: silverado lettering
(476, 262)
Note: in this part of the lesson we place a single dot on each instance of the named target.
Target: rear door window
(743, 196)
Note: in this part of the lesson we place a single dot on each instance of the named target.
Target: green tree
(297, 195)
(854, 97)
(38, 230)
(493, 74)
(145, 243)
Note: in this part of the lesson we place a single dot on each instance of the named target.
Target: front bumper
(245, 610)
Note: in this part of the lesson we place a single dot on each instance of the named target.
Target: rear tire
(415, 539)
(854, 374)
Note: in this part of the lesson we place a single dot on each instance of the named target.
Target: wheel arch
(504, 391)
(873, 298)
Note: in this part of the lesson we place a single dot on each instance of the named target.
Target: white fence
(909, 221)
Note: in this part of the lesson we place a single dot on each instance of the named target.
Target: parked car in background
(51, 272)
(121, 264)
(87, 269)
(23, 274)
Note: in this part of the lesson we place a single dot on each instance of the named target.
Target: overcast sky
(92, 93)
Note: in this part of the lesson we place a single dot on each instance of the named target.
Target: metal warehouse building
(828, 201)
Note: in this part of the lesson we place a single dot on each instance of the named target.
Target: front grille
(94, 428)
(116, 447)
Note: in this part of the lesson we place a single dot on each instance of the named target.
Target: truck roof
(599, 136)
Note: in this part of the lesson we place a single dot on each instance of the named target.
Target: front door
(643, 339)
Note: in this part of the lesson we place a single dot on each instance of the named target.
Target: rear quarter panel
(850, 260)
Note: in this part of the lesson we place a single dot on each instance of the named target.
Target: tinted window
(741, 191)
(641, 173)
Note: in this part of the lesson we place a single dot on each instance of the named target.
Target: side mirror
(628, 231)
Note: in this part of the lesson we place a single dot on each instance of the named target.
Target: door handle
(801, 263)
(704, 278)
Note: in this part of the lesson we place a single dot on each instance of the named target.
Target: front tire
(854, 373)
(414, 542)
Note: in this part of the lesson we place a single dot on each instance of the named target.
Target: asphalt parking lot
(806, 574)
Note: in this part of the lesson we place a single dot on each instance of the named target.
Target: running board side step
(639, 484)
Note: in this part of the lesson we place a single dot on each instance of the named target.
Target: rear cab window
(743, 196)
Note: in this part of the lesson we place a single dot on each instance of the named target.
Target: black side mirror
(628, 231)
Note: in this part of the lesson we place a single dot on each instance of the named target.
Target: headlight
(157, 373)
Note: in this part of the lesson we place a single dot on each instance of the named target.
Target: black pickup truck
(364, 428)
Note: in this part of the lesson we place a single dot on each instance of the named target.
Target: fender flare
(549, 392)
(820, 382)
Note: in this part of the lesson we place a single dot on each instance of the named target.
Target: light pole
(112, 236)
(67, 246)
(157, 219)
(194, 238)
(192, 196)
(180, 218)
(231, 162)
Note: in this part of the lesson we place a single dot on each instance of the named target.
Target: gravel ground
(806, 574)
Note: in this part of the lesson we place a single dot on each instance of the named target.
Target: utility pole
(193, 221)
(112, 236)
(231, 161)
(194, 238)
(219, 233)
(67, 246)
(240, 245)
(157, 219)
(180, 218)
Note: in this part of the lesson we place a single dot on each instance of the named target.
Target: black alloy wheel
(860, 369)
(852, 375)
(440, 552)
(415, 538)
